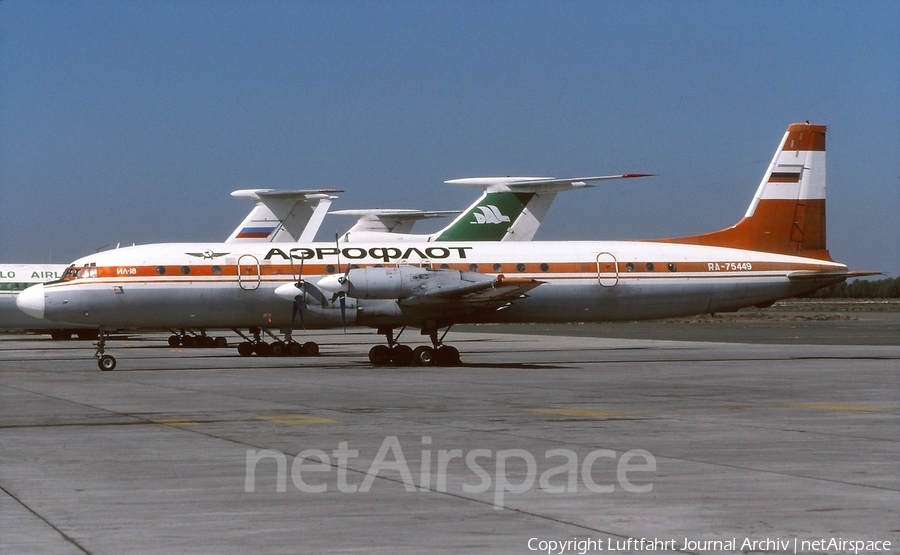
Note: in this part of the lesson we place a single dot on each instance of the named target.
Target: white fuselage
(204, 286)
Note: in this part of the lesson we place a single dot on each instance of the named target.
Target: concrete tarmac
(599, 441)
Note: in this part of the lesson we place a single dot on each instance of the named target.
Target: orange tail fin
(787, 215)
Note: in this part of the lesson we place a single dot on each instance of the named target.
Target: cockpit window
(86, 271)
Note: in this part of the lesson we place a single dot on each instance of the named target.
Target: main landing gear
(287, 347)
(189, 341)
(403, 355)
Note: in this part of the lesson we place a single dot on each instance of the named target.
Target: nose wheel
(105, 362)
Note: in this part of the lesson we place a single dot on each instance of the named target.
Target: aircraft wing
(496, 292)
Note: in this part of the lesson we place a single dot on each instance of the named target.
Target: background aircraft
(777, 250)
(276, 215)
(509, 209)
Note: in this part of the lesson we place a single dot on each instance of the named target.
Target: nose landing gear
(105, 362)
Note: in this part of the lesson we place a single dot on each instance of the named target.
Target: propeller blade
(337, 247)
(344, 311)
(298, 307)
(315, 293)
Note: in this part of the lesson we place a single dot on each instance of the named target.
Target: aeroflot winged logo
(490, 214)
(207, 254)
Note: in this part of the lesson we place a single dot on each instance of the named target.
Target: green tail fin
(489, 219)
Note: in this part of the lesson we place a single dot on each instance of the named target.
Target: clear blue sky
(131, 121)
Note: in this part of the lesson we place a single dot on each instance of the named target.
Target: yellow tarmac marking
(297, 419)
(844, 408)
(579, 413)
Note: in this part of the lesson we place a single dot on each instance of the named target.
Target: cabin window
(160, 270)
(649, 266)
(629, 267)
(498, 267)
(445, 266)
(185, 270)
(520, 267)
(473, 267)
(330, 268)
(545, 267)
(672, 267)
(217, 270)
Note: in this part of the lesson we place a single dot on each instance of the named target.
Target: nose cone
(287, 291)
(332, 283)
(31, 301)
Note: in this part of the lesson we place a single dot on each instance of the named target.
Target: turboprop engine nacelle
(401, 282)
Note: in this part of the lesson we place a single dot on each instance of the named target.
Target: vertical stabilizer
(493, 217)
(787, 215)
(285, 216)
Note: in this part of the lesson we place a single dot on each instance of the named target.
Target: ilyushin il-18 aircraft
(776, 250)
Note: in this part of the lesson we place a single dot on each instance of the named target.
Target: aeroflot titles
(355, 253)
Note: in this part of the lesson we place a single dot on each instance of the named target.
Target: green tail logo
(489, 219)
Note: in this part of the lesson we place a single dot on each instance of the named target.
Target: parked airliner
(776, 250)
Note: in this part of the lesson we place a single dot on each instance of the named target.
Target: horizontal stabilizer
(828, 276)
(537, 184)
(308, 194)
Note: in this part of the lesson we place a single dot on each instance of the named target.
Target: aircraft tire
(447, 355)
(262, 349)
(278, 349)
(423, 355)
(107, 363)
(220, 342)
(174, 341)
(311, 348)
(401, 355)
(60, 335)
(245, 348)
(295, 349)
(380, 355)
